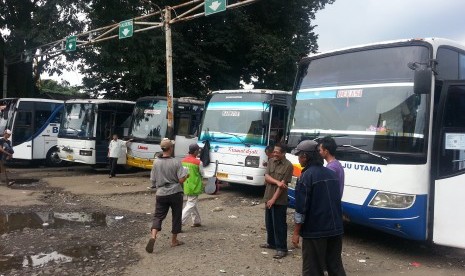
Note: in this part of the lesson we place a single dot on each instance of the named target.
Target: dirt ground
(77, 221)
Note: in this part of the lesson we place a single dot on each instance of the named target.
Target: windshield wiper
(236, 136)
(365, 151)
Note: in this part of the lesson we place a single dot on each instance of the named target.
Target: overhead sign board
(126, 29)
(215, 6)
(70, 43)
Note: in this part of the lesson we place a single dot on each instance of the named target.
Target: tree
(31, 23)
(258, 44)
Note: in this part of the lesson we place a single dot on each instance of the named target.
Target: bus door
(105, 125)
(449, 183)
(185, 129)
(42, 136)
(22, 131)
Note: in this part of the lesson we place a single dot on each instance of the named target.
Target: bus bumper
(237, 174)
(139, 162)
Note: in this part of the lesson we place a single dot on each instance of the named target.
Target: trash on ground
(415, 264)
(119, 217)
(217, 209)
(362, 261)
(232, 217)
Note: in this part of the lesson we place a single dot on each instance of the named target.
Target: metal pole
(169, 73)
(5, 77)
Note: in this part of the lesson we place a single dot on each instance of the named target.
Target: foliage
(52, 86)
(259, 43)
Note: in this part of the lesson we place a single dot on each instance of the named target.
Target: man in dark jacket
(318, 216)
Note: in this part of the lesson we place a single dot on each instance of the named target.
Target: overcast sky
(353, 22)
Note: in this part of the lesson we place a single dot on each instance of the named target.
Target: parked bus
(150, 123)
(87, 127)
(239, 124)
(397, 112)
(34, 124)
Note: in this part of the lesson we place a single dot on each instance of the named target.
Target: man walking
(168, 175)
(6, 152)
(277, 175)
(318, 214)
(115, 149)
(328, 151)
(192, 186)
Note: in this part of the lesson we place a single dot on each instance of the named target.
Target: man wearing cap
(277, 175)
(115, 148)
(192, 186)
(168, 175)
(318, 214)
(6, 152)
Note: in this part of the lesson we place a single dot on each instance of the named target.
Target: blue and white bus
(87, 127)
(34, 124)
(149, 126)
(239, 124)
(397, 112)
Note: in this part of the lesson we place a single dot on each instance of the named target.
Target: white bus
(397, 112)
(239, 124)
(87, 127)
(150, 123)
(34, 124)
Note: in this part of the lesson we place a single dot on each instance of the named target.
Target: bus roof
(97, 101)
(431, 40)
(190, 100)
(253, 91)
(33, 100)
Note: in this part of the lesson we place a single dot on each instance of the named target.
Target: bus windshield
(6, 114)
(364, 99)
(78, 121)
(235, 122)
(149, 120)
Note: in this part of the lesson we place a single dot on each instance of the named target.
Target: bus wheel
(52, 159)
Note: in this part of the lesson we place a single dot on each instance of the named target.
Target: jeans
(322, 254)
(276, 227)
(113, 164)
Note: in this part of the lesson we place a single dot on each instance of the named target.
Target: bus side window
(452, 155)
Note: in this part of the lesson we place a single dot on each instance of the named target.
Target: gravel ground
(77, 221)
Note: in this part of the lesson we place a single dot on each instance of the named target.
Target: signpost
(70, 43)
(214, 6)
(126, 29)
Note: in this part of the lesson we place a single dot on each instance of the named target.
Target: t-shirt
(115, 148)
(336, 167)
(165, 175)
(280, 170)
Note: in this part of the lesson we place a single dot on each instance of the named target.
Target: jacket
(318, 199)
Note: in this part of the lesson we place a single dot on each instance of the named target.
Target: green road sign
(70, 43)
(126, 29)
(214, 6)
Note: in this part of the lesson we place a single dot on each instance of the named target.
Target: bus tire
(52, 159)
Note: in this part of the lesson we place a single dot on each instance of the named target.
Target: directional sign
(70, 43)
(126, 29)
(214, 6)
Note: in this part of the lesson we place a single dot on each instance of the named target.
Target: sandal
(150, 244)
(178, 243)
(267, 246)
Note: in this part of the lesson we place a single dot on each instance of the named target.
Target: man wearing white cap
(6, 152)
(318, 214)
(168, 175)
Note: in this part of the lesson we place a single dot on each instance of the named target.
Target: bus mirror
(422, 80)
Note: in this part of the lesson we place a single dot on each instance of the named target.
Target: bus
(397, 112)
(34, 124)
(87, 127)
(149, 126)
(239, 124)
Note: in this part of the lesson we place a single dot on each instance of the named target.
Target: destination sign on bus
(350, 93)
(152, 111)
(226, 113)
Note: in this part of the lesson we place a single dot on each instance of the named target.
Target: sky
(348, 23)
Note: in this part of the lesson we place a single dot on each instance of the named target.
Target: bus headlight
(394, 201)
(252, 161)
(85, 152)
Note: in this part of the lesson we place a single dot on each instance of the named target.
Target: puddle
(37, 220)
(25, 182)
(8, 262)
